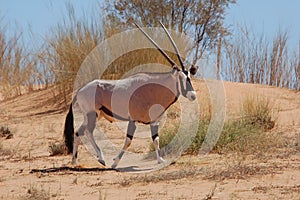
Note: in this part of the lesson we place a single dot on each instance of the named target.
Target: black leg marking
(154, 136)
(129, 136)
(131, 129)
(154, 131)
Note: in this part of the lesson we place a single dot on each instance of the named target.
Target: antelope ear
(193, 69)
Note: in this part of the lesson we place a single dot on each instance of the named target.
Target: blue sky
(261, 16)
(268, 16)
(37, 16)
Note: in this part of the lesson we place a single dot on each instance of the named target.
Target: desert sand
(36, 122)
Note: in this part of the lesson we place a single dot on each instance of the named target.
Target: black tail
(69, 130)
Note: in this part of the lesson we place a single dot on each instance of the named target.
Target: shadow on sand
(74, 169)
(133, 169)
(90, 169)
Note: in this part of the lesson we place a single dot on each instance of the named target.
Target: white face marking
(184, 77)
(191, 95)
(189, 74)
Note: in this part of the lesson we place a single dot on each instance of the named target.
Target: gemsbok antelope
(142, 98)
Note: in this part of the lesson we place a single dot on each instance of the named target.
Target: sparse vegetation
(5, 132)
(165, 137)
(18, 72)
(250, 58)
(245, 148)
(34, 193)
(258, 111)
(57, 148)
(102, 196)
(5, 151)
(246, 134)
(154, 178)
(204, 18)
(238, 136)
(245, 57)
(67, 45)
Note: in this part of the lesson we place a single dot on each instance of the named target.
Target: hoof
(116, 162)
(74, 162)
(161, 160)
(114, 166)
(102, 162)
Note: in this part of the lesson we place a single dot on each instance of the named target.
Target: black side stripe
(111, 114)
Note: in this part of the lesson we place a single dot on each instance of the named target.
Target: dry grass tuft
(34, 193)
(5, 151)
(240, 170)
(157, 177)
(293, 190)
(5, 132)
(57, 148)
(211, 193)
(258, 111)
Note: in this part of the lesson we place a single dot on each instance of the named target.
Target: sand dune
(35, 123)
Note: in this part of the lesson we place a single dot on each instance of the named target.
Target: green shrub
(165, 137)
(246, 134)
(199, 138)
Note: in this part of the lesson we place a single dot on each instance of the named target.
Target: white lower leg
(157, 150)
(120, 155)
(75, 149)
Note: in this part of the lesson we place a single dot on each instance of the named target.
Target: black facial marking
(189, 86)
(186, 73)
(183, 91)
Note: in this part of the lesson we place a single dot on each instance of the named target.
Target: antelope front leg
(130, 131)
(155, 138)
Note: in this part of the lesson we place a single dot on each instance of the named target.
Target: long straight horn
(156, 45)
(174, 45)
